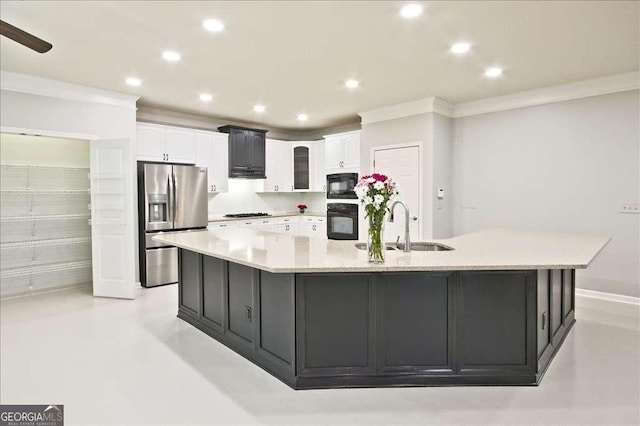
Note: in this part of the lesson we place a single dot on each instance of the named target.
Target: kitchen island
(315, 313)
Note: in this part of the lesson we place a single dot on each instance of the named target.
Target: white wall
(415, 128)
(243, 198)
(565, 166)
(435, 131)
(43, 151)
(61, 109)
(442, 164)
(48, 113)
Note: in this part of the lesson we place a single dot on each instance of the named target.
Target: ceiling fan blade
(24, 38)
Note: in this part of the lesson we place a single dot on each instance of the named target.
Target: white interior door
(402, 164)
(112, 227)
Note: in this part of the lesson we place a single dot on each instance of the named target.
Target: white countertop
(495, 249)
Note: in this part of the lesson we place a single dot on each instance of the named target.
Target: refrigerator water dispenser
(157, 207)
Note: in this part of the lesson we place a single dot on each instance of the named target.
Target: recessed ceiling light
(205, 97)
(411, 11)
(303, 117)
(351, 84)
(132, 81)
(171, 56)
(493, 72)
(259, 108)
(213, 25)
(460, 48)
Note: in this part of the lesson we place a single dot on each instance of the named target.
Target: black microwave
(341, 186)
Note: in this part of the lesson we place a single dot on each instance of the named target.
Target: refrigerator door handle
(170, 200)
(175, 197)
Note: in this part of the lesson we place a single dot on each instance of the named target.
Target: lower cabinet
(415, 319)
(555, 311)
(495, 322)
(335, 328)
(190, 279)
(317, 330)
(214, 291)
(240, 296)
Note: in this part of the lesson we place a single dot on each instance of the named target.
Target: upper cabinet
(246, 152)
(318, 167)
(278, 167)
(165, 143)
(342, 152)
(301, 167)
(308, 159)
(212, 152)
(294, 166)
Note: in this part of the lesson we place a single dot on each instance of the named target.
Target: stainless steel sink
(387, 246)
(415, 246)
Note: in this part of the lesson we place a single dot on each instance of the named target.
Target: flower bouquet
(302, 207)
(374, 192)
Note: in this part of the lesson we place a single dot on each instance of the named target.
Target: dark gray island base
(317, 330)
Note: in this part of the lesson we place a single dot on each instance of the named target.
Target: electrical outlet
(630, 208)
(469, 204)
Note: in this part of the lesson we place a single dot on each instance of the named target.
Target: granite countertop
(494, 249)
(221, 218)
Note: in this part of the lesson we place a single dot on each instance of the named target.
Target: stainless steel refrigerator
(171, 198)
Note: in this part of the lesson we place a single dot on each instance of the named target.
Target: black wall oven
(341, 186)
(342, 221)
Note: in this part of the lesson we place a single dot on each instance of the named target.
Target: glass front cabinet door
(301, 170)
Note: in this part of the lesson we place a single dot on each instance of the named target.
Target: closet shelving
(45, 236)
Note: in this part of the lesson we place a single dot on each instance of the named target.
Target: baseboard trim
(46, 291)
(609, 297)
(610, 303)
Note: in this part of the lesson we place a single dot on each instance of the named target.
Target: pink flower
(379, 177)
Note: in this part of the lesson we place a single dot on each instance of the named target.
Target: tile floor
(118, 362)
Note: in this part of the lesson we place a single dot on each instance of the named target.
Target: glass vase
(375, 237)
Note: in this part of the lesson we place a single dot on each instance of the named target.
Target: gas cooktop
(246, 214)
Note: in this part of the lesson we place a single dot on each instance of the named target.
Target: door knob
(414, 218)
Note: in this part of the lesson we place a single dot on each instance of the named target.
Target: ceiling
(294, 56)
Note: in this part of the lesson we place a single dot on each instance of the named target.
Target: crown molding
(24, 83)
(547, 95)
(421, 106)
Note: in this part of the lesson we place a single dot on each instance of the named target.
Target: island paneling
(325, 330)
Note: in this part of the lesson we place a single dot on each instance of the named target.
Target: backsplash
(243, 197)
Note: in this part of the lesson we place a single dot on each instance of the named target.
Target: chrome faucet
(407, 240)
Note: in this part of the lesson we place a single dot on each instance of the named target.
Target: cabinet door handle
(215, 188)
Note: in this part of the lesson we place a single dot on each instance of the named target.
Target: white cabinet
(315, 227)
(180, 145)
(318, 167)
(301, 155)
(164, 143)
(342, 152)
(278, 166)
(212, 152)
(309, 173)
(150, 142)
